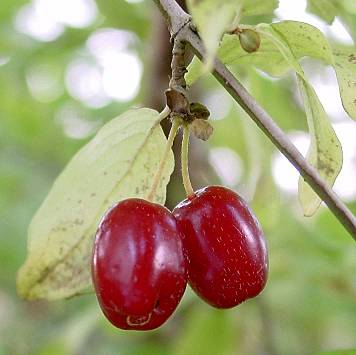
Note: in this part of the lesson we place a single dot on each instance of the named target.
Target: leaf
(119, 162)
(307, 40)
(345, 67)
(325, 152)
(325, 9)
(213, 18)
(304, 39)
(267, 58)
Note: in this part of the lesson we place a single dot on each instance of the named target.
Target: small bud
(250, 40)
(201, 129)
(199, 111)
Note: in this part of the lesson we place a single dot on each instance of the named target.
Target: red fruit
(227, 252)
(139, 270)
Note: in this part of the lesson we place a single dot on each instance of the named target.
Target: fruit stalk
(157, 178)
(184, 160)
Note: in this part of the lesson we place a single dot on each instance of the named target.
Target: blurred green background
(67, 67)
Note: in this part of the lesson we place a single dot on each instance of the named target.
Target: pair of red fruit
(144, 255)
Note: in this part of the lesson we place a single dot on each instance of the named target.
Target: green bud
(250, 40)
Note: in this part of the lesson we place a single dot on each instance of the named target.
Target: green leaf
(213, 18)
(325, 9)
(267, 58)
(325, 152)
(305, 40)
(345, 67)
(119, 162)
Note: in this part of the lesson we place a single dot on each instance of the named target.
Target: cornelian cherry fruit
(138, 268)
(227, 253)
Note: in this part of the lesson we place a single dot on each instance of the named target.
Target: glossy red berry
(138, 269)
(226, 249)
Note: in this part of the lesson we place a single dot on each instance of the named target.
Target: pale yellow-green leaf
(345, 67)
(325, 152)
(267, 58)
(118, 163)
(304, 39)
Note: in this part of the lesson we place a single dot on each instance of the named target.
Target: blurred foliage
(309, 304)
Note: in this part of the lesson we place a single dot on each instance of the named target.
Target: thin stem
(157, 178)
(184, 159)
(177, 18)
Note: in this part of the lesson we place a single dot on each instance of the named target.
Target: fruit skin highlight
(228, 261)
(138, 267)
